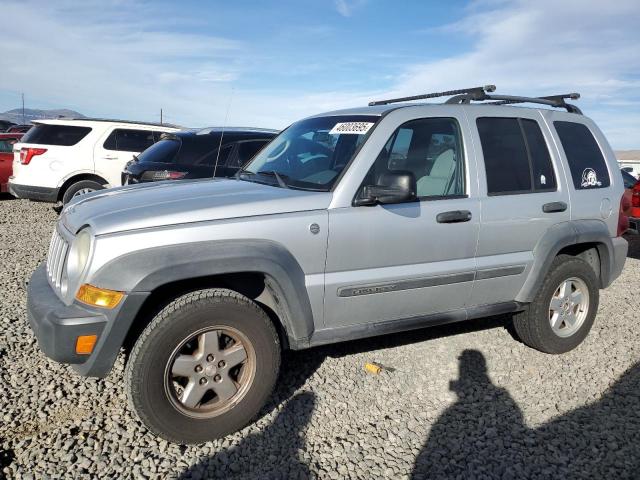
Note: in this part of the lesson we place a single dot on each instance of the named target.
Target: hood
(175, 202)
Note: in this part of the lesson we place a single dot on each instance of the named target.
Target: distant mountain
(30, 114)
(623, 155)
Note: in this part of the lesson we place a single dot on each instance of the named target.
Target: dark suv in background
(194, 154)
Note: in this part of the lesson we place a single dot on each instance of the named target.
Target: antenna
(226, 117)
(23, 121)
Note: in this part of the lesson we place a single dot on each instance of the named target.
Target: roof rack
(481, 94)
(552, 100)
(115, 120)
(478, 92)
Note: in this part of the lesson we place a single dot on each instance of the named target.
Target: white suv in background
(58, 159)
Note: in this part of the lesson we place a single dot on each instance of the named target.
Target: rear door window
(516, 157)
(59, 135)
(129, 140)
(586, 162)
(505, 156)
(544, 177)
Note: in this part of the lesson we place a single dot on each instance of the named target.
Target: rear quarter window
(586, 162)
(60, 135)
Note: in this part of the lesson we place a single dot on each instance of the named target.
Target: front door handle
(110, 157)
(455, 216)
(554, 207)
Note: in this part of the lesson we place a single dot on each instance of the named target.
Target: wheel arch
(77, 177)
(261, 270)
(587, 239)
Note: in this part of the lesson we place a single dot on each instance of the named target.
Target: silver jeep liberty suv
(349, 224)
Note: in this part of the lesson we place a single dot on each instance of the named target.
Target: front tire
(203, 367)
(564, 309)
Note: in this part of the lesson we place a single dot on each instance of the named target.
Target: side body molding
(563, 235)
(147, 269)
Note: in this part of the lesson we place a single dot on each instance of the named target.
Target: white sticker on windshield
(357, 128)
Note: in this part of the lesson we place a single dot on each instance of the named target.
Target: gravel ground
(464, 401)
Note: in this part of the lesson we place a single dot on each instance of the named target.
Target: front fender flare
(147, 269)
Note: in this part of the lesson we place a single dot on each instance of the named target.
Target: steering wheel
(283, 148)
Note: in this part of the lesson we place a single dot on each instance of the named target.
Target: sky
(267, 64)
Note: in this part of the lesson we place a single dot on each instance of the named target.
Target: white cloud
(130, 63)
(545, 47)
(346, 7)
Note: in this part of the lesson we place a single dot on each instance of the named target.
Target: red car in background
(6, 157)
(631, 201)
(19, 128)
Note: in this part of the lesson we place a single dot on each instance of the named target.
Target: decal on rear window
(590, 178)
(357, 128)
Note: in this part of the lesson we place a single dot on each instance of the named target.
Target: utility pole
(23, 121)
(160, 116)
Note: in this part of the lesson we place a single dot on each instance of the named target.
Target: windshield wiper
(278, 176)
(241, 172)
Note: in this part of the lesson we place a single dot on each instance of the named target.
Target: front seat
(439, 180)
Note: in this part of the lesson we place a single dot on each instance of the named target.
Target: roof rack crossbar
(551, 100)
(474, 93)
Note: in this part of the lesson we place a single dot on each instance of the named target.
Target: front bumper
(57, 326)
(634, 225)
(31, 192)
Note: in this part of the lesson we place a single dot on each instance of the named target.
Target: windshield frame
(375, 119)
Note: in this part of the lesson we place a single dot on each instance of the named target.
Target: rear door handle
(554, 207)
(455, 216)
(109, 157)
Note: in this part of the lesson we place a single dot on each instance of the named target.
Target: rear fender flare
(562, 235)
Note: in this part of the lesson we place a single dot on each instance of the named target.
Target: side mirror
(392, 187)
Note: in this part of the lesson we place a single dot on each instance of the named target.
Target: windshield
(310, 154)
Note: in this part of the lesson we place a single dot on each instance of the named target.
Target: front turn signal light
(98, 297)
(85, 344)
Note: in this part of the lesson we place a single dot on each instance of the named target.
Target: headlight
(79, 255)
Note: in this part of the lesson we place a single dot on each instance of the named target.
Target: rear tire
(80, 188)
(542, 324)
(161, 373)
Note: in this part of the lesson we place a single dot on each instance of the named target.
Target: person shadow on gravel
(483, 434)
(274, 452)
(473, 437)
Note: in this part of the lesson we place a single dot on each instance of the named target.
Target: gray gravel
(512, 413)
